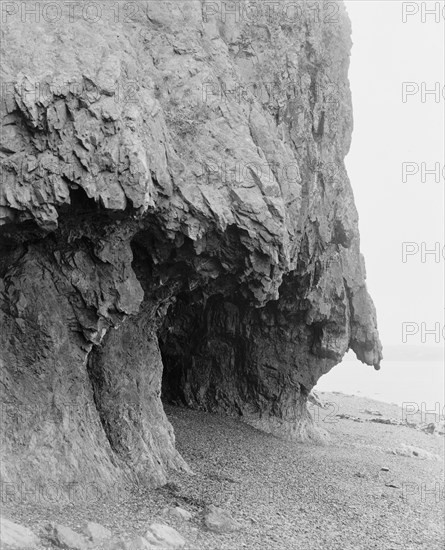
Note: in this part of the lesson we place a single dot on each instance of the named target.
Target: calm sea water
(396, 381)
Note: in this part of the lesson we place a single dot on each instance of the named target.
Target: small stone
(180, 513)
(220, 520)
(164, 536)
(16, 535)
(430, 428)
(97, 533)
(64, 537)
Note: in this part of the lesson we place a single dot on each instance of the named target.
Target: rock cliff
(176, 216)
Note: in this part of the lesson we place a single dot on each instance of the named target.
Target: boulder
(64, 537)
(163, 536)
(16, 535)
(219, 520)
(97, 533)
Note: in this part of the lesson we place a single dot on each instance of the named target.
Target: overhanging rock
(173, 196)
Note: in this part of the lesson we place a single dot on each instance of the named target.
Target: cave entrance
(180, 338)
(202, 348)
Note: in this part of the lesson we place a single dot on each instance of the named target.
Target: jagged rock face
(152, 222)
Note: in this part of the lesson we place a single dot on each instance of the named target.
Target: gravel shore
(355, 492)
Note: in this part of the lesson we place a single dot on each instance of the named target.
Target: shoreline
(354, 492)
(396, 382)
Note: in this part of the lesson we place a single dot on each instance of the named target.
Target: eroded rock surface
(173, 198)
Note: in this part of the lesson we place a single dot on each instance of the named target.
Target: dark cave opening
(196, 305)
(179, 340)
(201, 349)
(219, 352)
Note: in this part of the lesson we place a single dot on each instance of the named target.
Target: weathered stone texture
(151, 221)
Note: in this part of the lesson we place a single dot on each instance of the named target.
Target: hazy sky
(387, 133)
